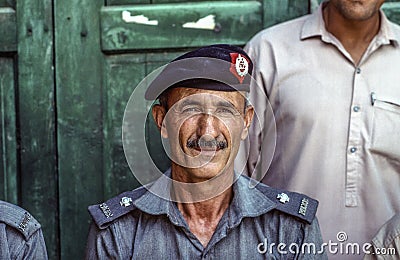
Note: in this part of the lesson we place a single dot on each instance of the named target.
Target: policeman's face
(357, 10)
(204, 129)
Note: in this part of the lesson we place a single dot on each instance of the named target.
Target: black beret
(220, 67)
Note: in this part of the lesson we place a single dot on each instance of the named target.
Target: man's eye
(225, 111)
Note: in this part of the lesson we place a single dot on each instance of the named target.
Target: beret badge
(239, 66)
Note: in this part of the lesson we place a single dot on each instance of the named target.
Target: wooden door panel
(179, 25)
(8, 127)
(36, 117)
(8, 30)
(277, 11)
(392, 10)
(7, 3)
(79, 98)
(8, 132)
(127, 2)
(122, 74)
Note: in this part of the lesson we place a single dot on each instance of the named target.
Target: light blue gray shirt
(20, 234)
(251, 228)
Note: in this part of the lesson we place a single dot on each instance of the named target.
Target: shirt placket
(354, 146)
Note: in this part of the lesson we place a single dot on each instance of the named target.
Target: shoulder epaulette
(19, 219)
(105, 213)
(292, 203)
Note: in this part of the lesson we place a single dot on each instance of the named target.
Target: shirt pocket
(385, 138)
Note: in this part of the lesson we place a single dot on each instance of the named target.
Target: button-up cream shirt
(337, 124)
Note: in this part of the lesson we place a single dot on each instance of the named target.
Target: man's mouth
(206, 145)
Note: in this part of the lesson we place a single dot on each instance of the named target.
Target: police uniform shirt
(20, 234)
(140, 225)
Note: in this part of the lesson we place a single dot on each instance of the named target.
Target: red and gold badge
(239, 66)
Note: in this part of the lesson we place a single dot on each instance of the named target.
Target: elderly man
(332, 80)
(208, 211)
(21, 236)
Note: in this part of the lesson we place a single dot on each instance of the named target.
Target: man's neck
(355, 36)
(204, 216)
(210, 209)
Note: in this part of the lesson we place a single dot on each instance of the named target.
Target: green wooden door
(67, 69)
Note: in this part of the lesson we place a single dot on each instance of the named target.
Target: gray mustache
(198, 143)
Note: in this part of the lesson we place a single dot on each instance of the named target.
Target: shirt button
(353, 149)
(356, 108)
(358, 70)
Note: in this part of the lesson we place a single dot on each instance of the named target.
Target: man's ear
(159, 113)
(247, 119)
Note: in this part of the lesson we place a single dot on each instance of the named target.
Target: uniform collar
(314, 26)
(386, 33)
(18, 218)
(246, 202)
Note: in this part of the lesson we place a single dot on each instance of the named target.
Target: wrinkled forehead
(182, 96)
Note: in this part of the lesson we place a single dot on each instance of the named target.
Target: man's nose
(208, 125)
